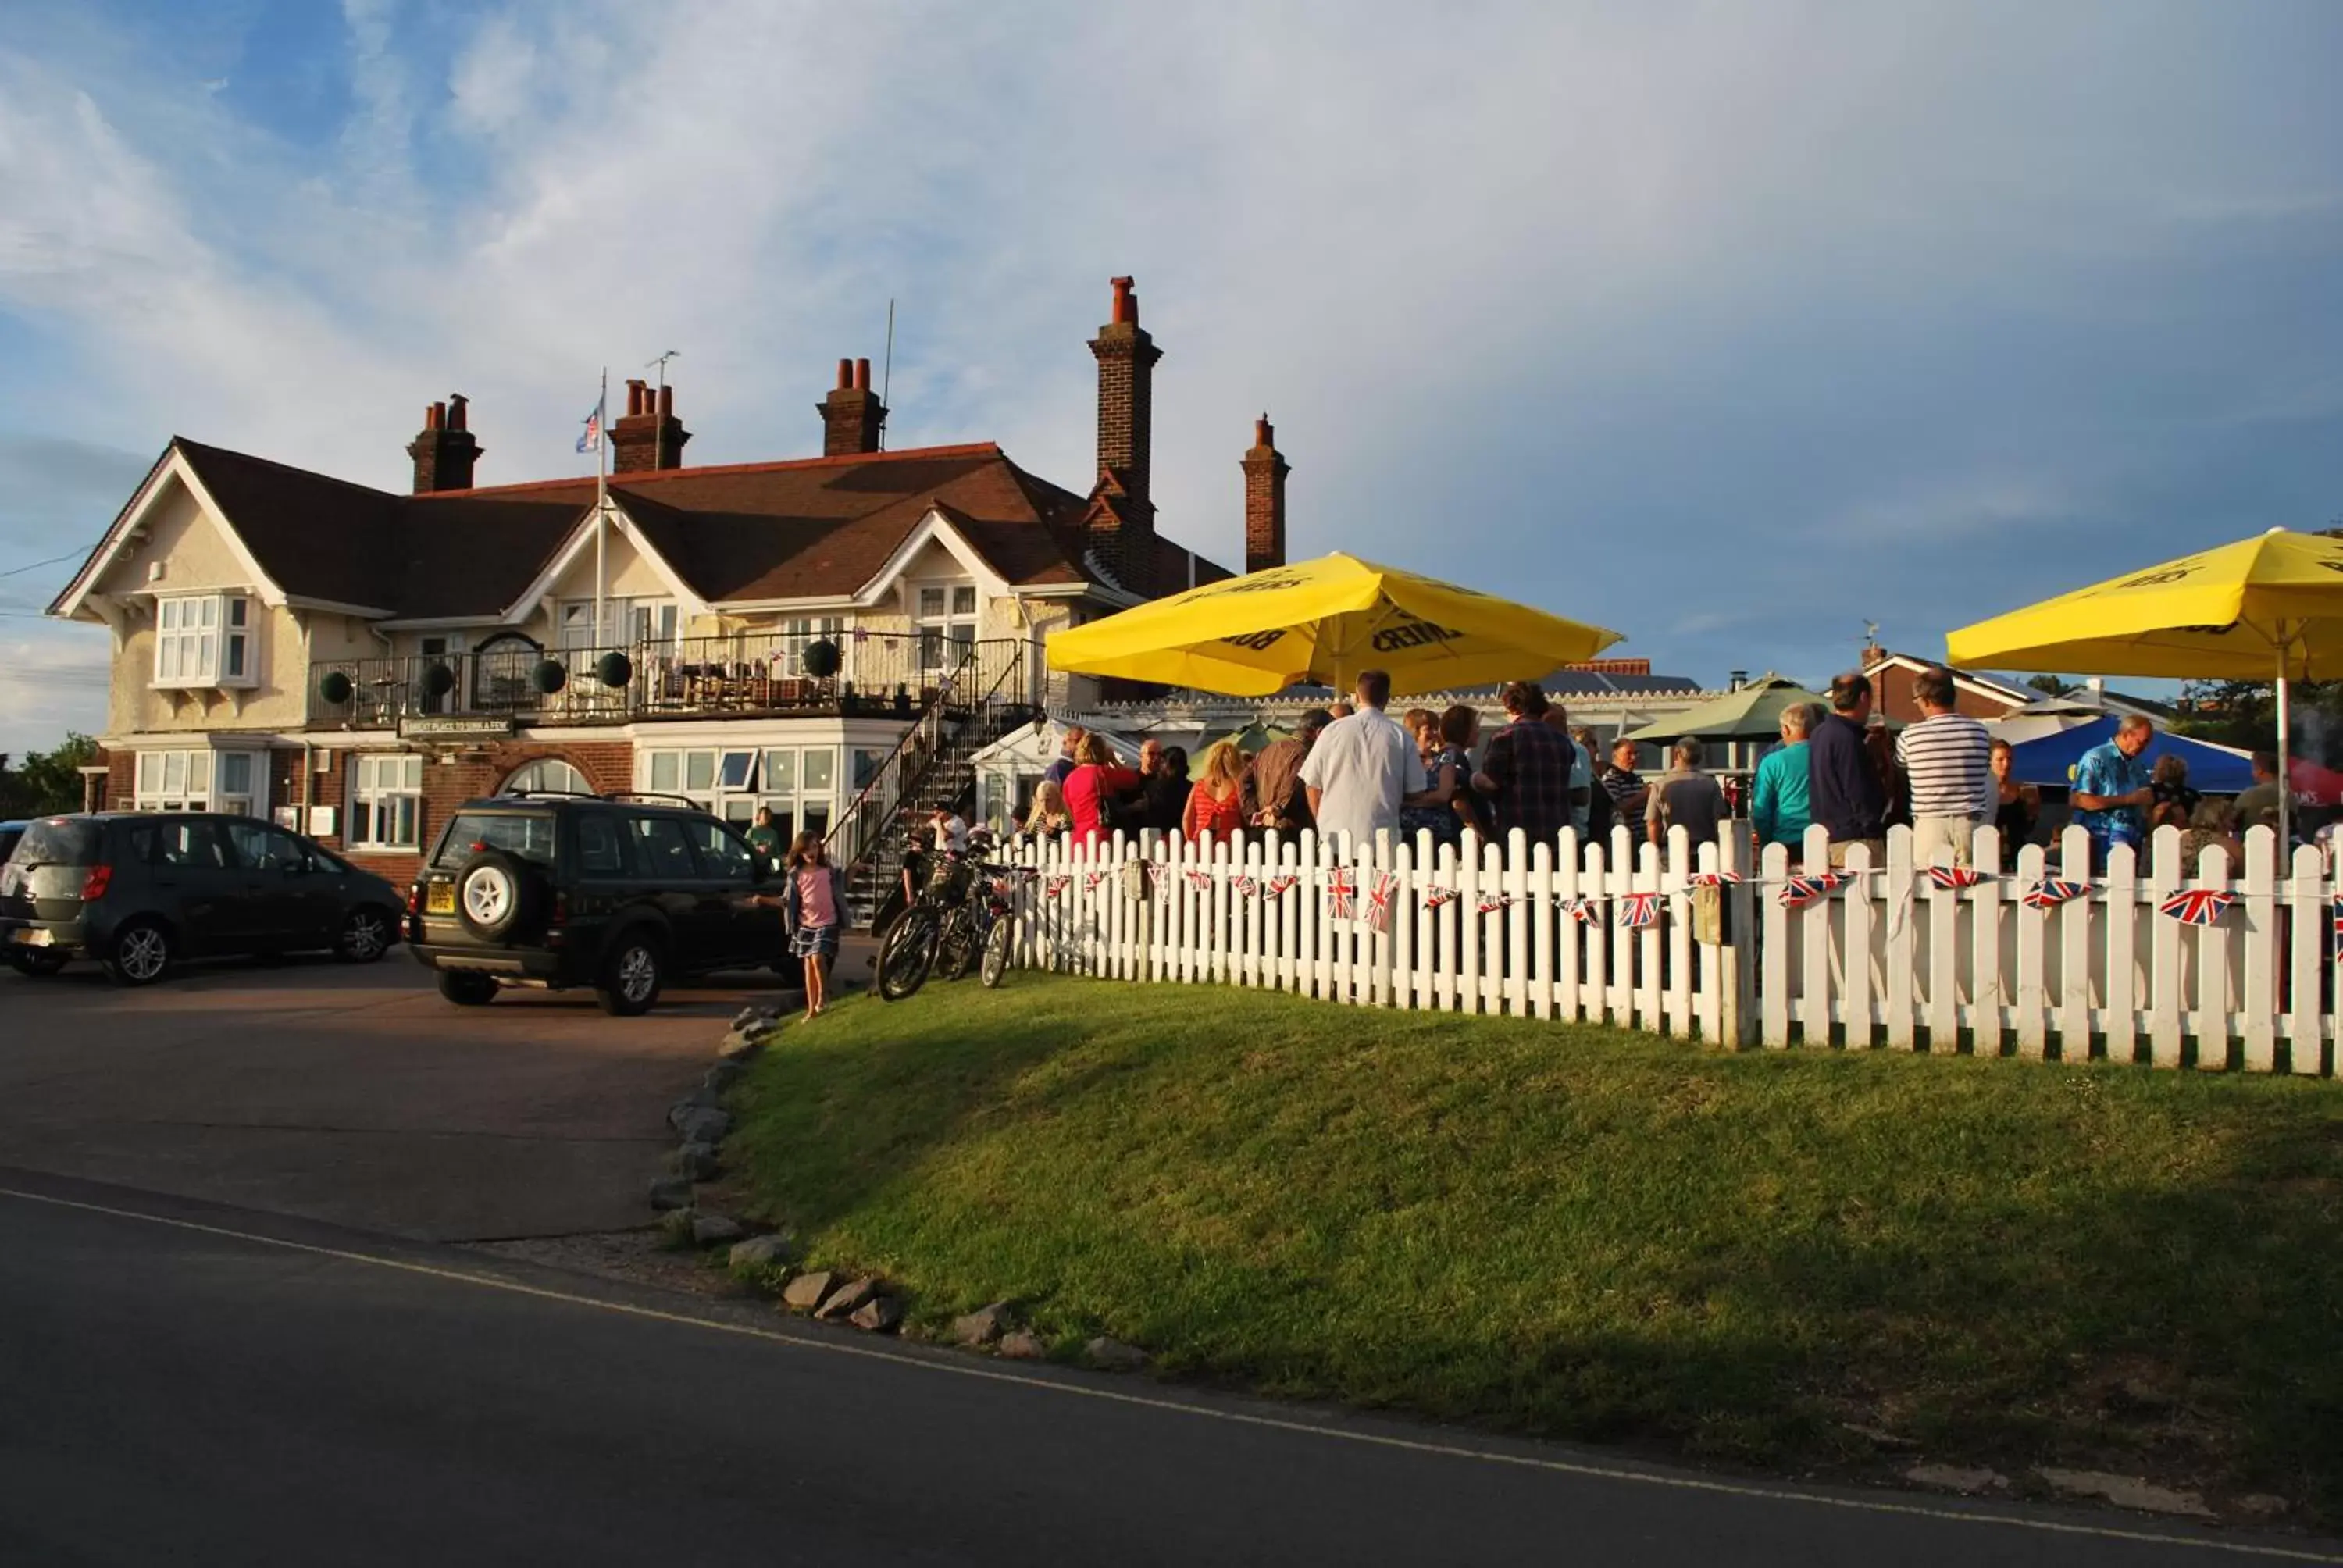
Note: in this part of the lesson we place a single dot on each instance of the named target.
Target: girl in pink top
(810, 907)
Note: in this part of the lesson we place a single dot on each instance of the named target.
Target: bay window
(204, 640)
(386, 802)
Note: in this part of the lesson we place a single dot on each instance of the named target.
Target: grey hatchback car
(137, 892)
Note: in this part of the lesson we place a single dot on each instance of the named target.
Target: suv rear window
(58, 842)
(529, 835)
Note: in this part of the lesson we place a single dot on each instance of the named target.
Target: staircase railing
(952, 727)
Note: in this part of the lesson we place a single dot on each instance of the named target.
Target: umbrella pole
(2285, 776)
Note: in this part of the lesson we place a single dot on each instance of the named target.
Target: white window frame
(621, 628)
(803, 631)
(738, 806)
(952, 624)
(195, 778)
(205, 640)
(386, 802)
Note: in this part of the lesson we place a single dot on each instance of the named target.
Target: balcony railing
(879, 675)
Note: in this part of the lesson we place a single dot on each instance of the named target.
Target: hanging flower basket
(438, 680)
(335, 686)
(549, 676)
(822, 659)
(614, 669)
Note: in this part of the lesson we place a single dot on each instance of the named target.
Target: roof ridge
(185, 444)
(644, 476)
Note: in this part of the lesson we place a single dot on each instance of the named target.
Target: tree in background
(2050, 685)
(46, 781)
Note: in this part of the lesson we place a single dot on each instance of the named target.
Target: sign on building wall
(455, 729)
(323, 823)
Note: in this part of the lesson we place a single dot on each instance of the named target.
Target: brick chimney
(1264, 472)
(852, 418)
(648, 435)
(1122, 520)
(446, 450)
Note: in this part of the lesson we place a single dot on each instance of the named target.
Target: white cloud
(1523, 286)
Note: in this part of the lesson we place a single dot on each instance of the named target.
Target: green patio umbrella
(1751, 713)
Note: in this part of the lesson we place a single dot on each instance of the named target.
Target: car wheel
(468, 987)
(365, 936)
(141, 955)
(906, 954)
(996, 954)
(630, 979)
(38, 963)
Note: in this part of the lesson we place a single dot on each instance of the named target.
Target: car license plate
(26, 937)
(440, 898)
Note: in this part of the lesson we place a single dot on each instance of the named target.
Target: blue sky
(1730, 326)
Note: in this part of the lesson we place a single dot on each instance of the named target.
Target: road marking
(1240, 1418)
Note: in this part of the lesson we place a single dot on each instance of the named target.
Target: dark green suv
(620, 893)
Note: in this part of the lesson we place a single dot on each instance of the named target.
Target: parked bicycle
(953, 925)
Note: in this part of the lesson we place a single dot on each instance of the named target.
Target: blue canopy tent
(2050, 760)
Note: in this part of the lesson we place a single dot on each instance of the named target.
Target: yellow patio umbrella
(1322, 622)
(2270, 607)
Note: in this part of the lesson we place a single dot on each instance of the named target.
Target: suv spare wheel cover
(488, 895)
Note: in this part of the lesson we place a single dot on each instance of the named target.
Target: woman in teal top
(1777, 805)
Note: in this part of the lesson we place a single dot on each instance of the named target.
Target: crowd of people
(1351, 769)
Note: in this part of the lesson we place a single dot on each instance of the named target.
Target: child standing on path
(811, 905)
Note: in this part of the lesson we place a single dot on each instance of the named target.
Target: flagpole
(601, 506)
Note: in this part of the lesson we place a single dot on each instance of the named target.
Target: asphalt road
(199, 1386)
(354, 1094)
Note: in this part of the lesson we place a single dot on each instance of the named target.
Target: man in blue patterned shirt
(2111, 794)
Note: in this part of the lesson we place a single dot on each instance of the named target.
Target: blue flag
(590, 440)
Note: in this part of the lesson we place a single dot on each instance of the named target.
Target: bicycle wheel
(996, 954)
(906, 954)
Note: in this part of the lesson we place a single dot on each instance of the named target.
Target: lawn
(1578, 1232)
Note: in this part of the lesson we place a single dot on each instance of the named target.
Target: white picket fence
(1888, 958)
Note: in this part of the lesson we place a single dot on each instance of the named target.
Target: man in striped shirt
(1947, 761)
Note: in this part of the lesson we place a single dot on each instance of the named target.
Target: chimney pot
(845, 375)
(1126, 303)
(852, 418)
(666, 402)
(862, 375)
(446, 451)
(1263, 436)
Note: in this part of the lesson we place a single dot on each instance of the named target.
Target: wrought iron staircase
(932, 765)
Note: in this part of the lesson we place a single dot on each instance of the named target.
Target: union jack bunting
(1056, 885)
(2199, 906)
(1956, 877)
(1342, 894)
(1281, 884)
(1245, 886)
(1029, 873)
(1578, 906)
(1091, 879)
(1714, 878)
(1435, 895)
(1800, 891)
(1379, 901)
(2051, 892)
(1490, 903)
(1637, 911)
(1200, 880)
(2338, 930)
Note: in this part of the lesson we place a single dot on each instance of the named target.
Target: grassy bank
(1583, 1234)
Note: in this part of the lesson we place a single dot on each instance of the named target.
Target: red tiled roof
(816, 526)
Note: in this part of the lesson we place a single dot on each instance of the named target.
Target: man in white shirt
(1363, 769)
(951, 829)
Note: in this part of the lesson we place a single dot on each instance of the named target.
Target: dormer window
(204, 640)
